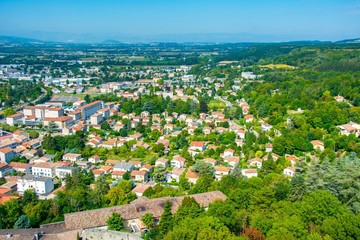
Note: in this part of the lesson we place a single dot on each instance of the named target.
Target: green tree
(203, 168)
(87, 98)
(105, 126)
(22, 222)
(9, 111)
(115, 222)
(166, 219)
(148, 220)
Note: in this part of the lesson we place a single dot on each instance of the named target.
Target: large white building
(41, 112)
(40, 185)
(43, 169)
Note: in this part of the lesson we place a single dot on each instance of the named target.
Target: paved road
(22, 106)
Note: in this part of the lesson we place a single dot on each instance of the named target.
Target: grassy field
(278, 66)
(92, 59)
(216, 104)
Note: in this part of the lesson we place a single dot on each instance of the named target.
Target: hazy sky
(311, 19)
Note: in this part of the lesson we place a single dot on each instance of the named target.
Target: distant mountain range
(355, 40)
(59, 37)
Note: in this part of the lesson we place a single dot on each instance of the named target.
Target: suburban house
(147, 168)
(197, 146)
(94, 159)
(318, 145)
(350, 128)
(117, 174)
(268, 147)
(141, 188)
(72, 157)
(249, 118)
(178, 162)
(257, 162)
(228, 153)
(289, 171)
(210, 161)
(141, 176)
(124, 166)
(163, 162)
(232, 161)
(175, 174)
(249, 173)
(97, 173)
(221, 171)
(192, 176)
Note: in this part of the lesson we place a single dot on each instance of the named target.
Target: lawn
(278, 66)
(216, 104)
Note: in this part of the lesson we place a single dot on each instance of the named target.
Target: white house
(229, 153)
(249, 173)
(163, 162)
(94, 159)
(221, 171)
(72, 157)
(289, 171)
(178, 162)
(40, 185)
(256, 162)
(175, 174)
(199, 146)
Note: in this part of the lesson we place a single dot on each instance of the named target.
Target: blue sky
(306, 19)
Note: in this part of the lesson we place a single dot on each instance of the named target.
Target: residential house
(248, 118)
(62, 171)
(268, 147)
(124, 166)
(318, 145)
(141, 188)
(289, 171)
(192, 176)
(72, 157)
(257, 162)
(228, 153)
(249, 173)
(97, 173)
(232, 161)
(197, 146)
(163, 162)
(147, 168)
(175, 174)
(265, 127)
(210, 161)
(141, 176)
(117, 174)
(21, 167)
(178, 162)
(221, 171)
(94, 159)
